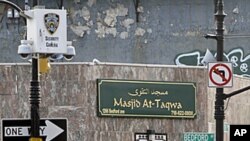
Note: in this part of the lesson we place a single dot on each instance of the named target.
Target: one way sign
(19, 129)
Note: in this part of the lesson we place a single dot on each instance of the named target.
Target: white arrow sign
(50, 131)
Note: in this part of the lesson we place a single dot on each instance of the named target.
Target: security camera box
(47, 28)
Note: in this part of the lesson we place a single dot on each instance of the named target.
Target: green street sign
(134, 98)
(198, 136)
(226, 127)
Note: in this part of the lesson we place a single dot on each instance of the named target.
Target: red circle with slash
(215, 70)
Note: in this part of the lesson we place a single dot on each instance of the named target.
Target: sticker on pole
(220, 74)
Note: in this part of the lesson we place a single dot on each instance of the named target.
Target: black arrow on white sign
(50, 130)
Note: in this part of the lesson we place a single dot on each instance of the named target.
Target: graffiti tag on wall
(236, 56)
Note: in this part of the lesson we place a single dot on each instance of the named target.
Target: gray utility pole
(219, 114)
(35, 97)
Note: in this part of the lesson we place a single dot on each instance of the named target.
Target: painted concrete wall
(109, 30)
(157, 31)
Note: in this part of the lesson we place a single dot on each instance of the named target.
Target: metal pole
(151, 135)
(61, 5)
(35, 99)
(35, 3)
(12, 4)
(219, 114)
(237, 92)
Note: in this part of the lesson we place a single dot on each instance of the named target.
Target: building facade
(70, 92)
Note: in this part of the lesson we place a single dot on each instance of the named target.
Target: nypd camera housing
(47, 31)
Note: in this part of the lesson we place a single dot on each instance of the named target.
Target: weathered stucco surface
(69, 91)
(154, 32)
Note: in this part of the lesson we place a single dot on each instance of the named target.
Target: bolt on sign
(134, 98)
